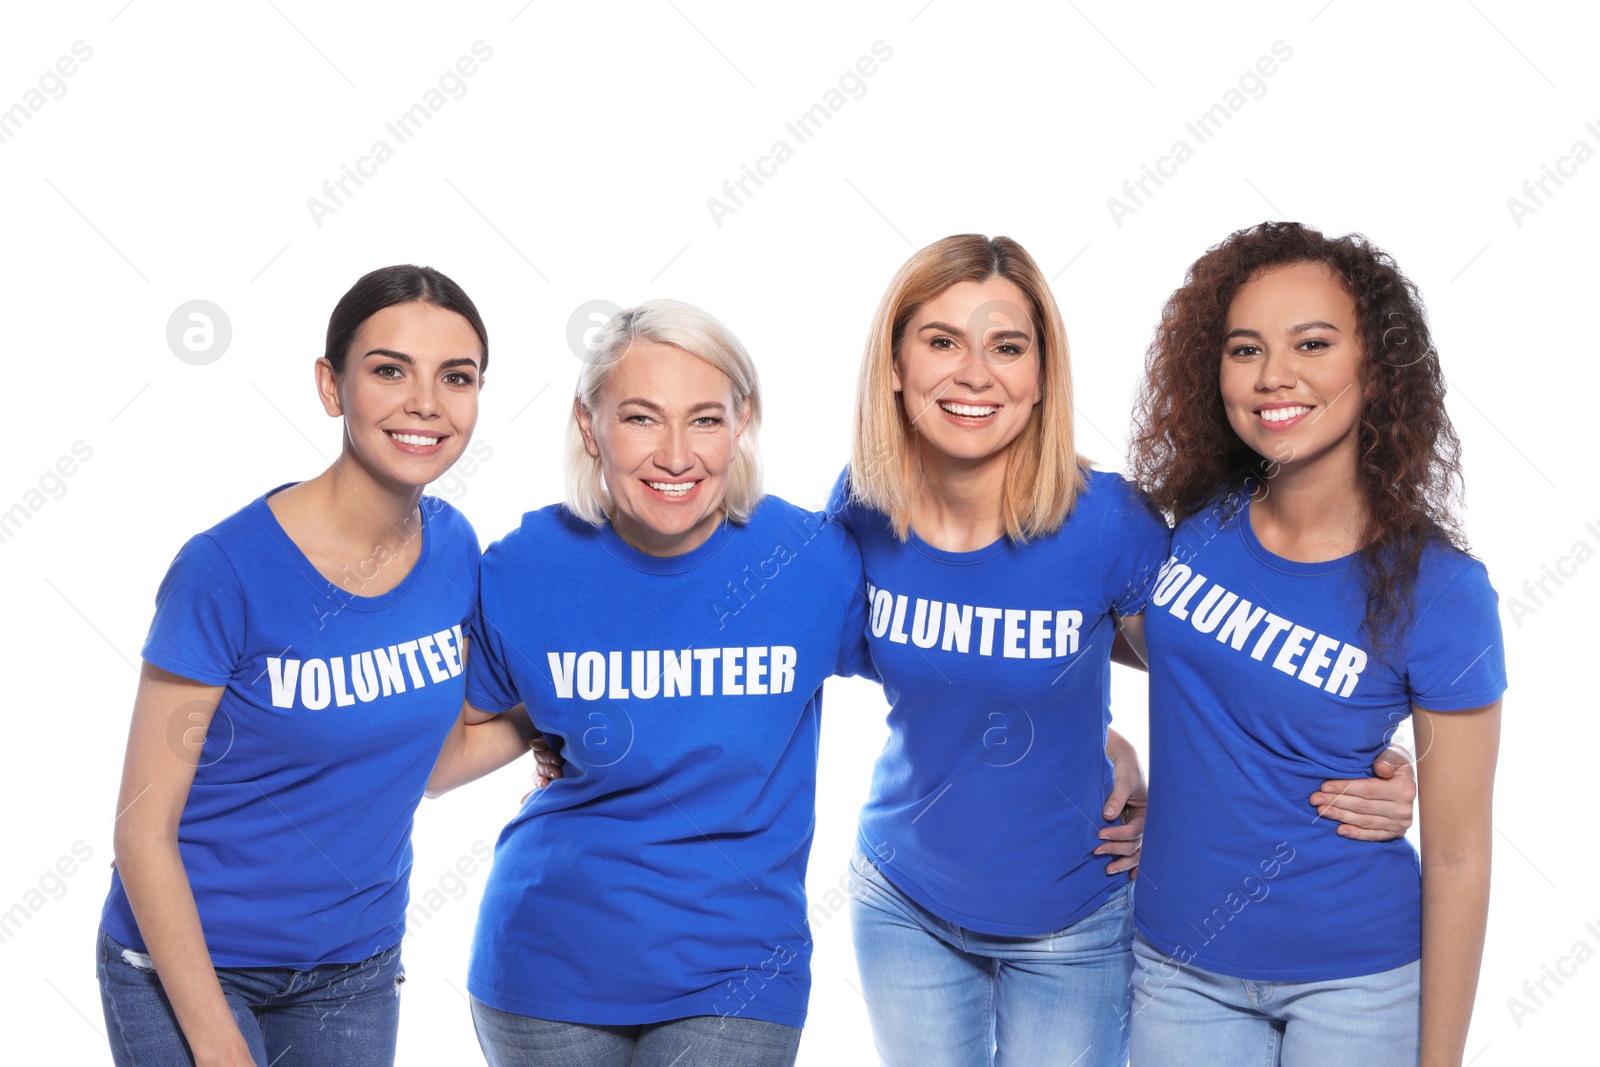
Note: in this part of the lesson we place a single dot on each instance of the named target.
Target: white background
(576, 166)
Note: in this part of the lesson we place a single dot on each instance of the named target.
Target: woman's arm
(170, 717)
(1128, 648)
(1129, 798)
(1456, 780)
(480, 742)
(1372, 809)
(1125, 807)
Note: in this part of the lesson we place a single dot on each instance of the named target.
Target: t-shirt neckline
(945, 555)
(320, 581)
(1253, 545)
(644, 561)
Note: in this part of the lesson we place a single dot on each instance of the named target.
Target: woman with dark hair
(1317, 594)
(302, 670)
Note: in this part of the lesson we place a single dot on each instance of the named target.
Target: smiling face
(408, 392)
(968, 370)
(665, 430)
(1291, 368)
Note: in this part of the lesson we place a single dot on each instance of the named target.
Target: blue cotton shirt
(296, 834)
(663, 875)
(986, 800)
(1263, 684)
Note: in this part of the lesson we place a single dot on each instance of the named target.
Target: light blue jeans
(1186, 1017)
(940, 995)
(338, 1013)
(511, 1040)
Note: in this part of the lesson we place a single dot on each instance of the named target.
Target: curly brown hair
(1187, 457)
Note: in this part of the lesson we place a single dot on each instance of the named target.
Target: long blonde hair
(1044, 473)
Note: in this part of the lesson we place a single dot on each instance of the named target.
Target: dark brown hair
(385, 287)
(1187, 457)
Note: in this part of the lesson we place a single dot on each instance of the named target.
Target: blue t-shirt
(986, 800)
(663, 875)
(296, 834)
(1264, 684)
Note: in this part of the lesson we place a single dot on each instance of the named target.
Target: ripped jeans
(337, 1013)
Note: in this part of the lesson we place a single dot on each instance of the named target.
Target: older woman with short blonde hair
(652, 899)
(665, 322)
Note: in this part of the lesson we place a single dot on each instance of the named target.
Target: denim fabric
(1186, 1017)
(511, 1040)
(338, 1013)
(943, 996)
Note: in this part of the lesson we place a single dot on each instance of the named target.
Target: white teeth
(1282, 414)
(414, 439)
(969, 410)
(672, 488)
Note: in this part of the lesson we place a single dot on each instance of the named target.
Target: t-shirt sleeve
(199, 627)
(490, 685)
(854, 655)
(1456, 657)
(1138, 540)
(838, 509)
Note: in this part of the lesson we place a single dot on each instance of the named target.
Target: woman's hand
(1372, 809)
(546, 765)
(1127, 803)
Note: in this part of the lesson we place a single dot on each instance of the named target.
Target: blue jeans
(512, 1040)
(338, 1013)
(943, 996)
(1186, 1017)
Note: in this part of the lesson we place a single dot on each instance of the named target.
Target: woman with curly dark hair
(1292, 425)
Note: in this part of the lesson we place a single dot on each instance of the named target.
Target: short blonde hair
(1044, 473)
(666, 322)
